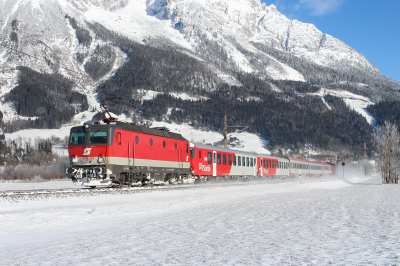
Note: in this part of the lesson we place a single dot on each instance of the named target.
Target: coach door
(130, 150)
(214, 163)
(180, 158)
(254, 166)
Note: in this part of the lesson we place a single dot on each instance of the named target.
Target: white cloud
(321, 7)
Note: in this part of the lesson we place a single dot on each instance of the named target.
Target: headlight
(101, 159)
(74, 159)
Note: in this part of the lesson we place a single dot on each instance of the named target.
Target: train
(118, 153)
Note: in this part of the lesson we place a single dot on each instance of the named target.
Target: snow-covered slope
(356, 102)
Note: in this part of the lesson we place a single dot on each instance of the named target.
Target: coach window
(199, 154)
(119, 138)
(209, 159)
(224, 159)
(151, 142)
(234, 160)
(243, 161)
(187, 148)
(137, 140)
(176, 146)
(214, 157)
(239, 161)
(264, 162)
(251, 162)
(219, 158)
(163, 143)
(192, 153)
(229, 159)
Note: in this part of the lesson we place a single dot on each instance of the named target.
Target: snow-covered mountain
(40, 28)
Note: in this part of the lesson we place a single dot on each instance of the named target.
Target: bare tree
(387, 140)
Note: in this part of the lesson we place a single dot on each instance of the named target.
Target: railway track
(43, 194)
(15, 196)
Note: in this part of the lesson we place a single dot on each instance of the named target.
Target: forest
(386, 111)
(48, 100)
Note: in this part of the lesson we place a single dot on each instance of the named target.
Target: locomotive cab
(88, 148)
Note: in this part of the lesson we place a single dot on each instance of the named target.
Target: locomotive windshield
(82, 136)
(98, 137)
(77, 138)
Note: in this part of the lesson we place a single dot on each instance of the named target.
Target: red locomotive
(123, 153)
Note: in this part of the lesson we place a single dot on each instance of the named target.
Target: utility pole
(302, 151)
(225, 133)
(365, 150)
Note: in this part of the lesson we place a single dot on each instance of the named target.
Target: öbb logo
(86, 151)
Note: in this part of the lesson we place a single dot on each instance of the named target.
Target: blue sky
(370, 27)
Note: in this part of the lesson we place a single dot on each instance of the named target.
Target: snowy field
(31, 185)
(327, 220)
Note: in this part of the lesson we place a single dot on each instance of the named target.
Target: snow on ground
(322, 221)
(186, 97)
(249, 98)
(10, 114)
(298, 93)
(146, 95)
(26, 185)
(356, 102)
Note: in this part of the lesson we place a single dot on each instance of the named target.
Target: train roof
(136, 128)
(150, 131)
(305, 161)
(216, 148)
